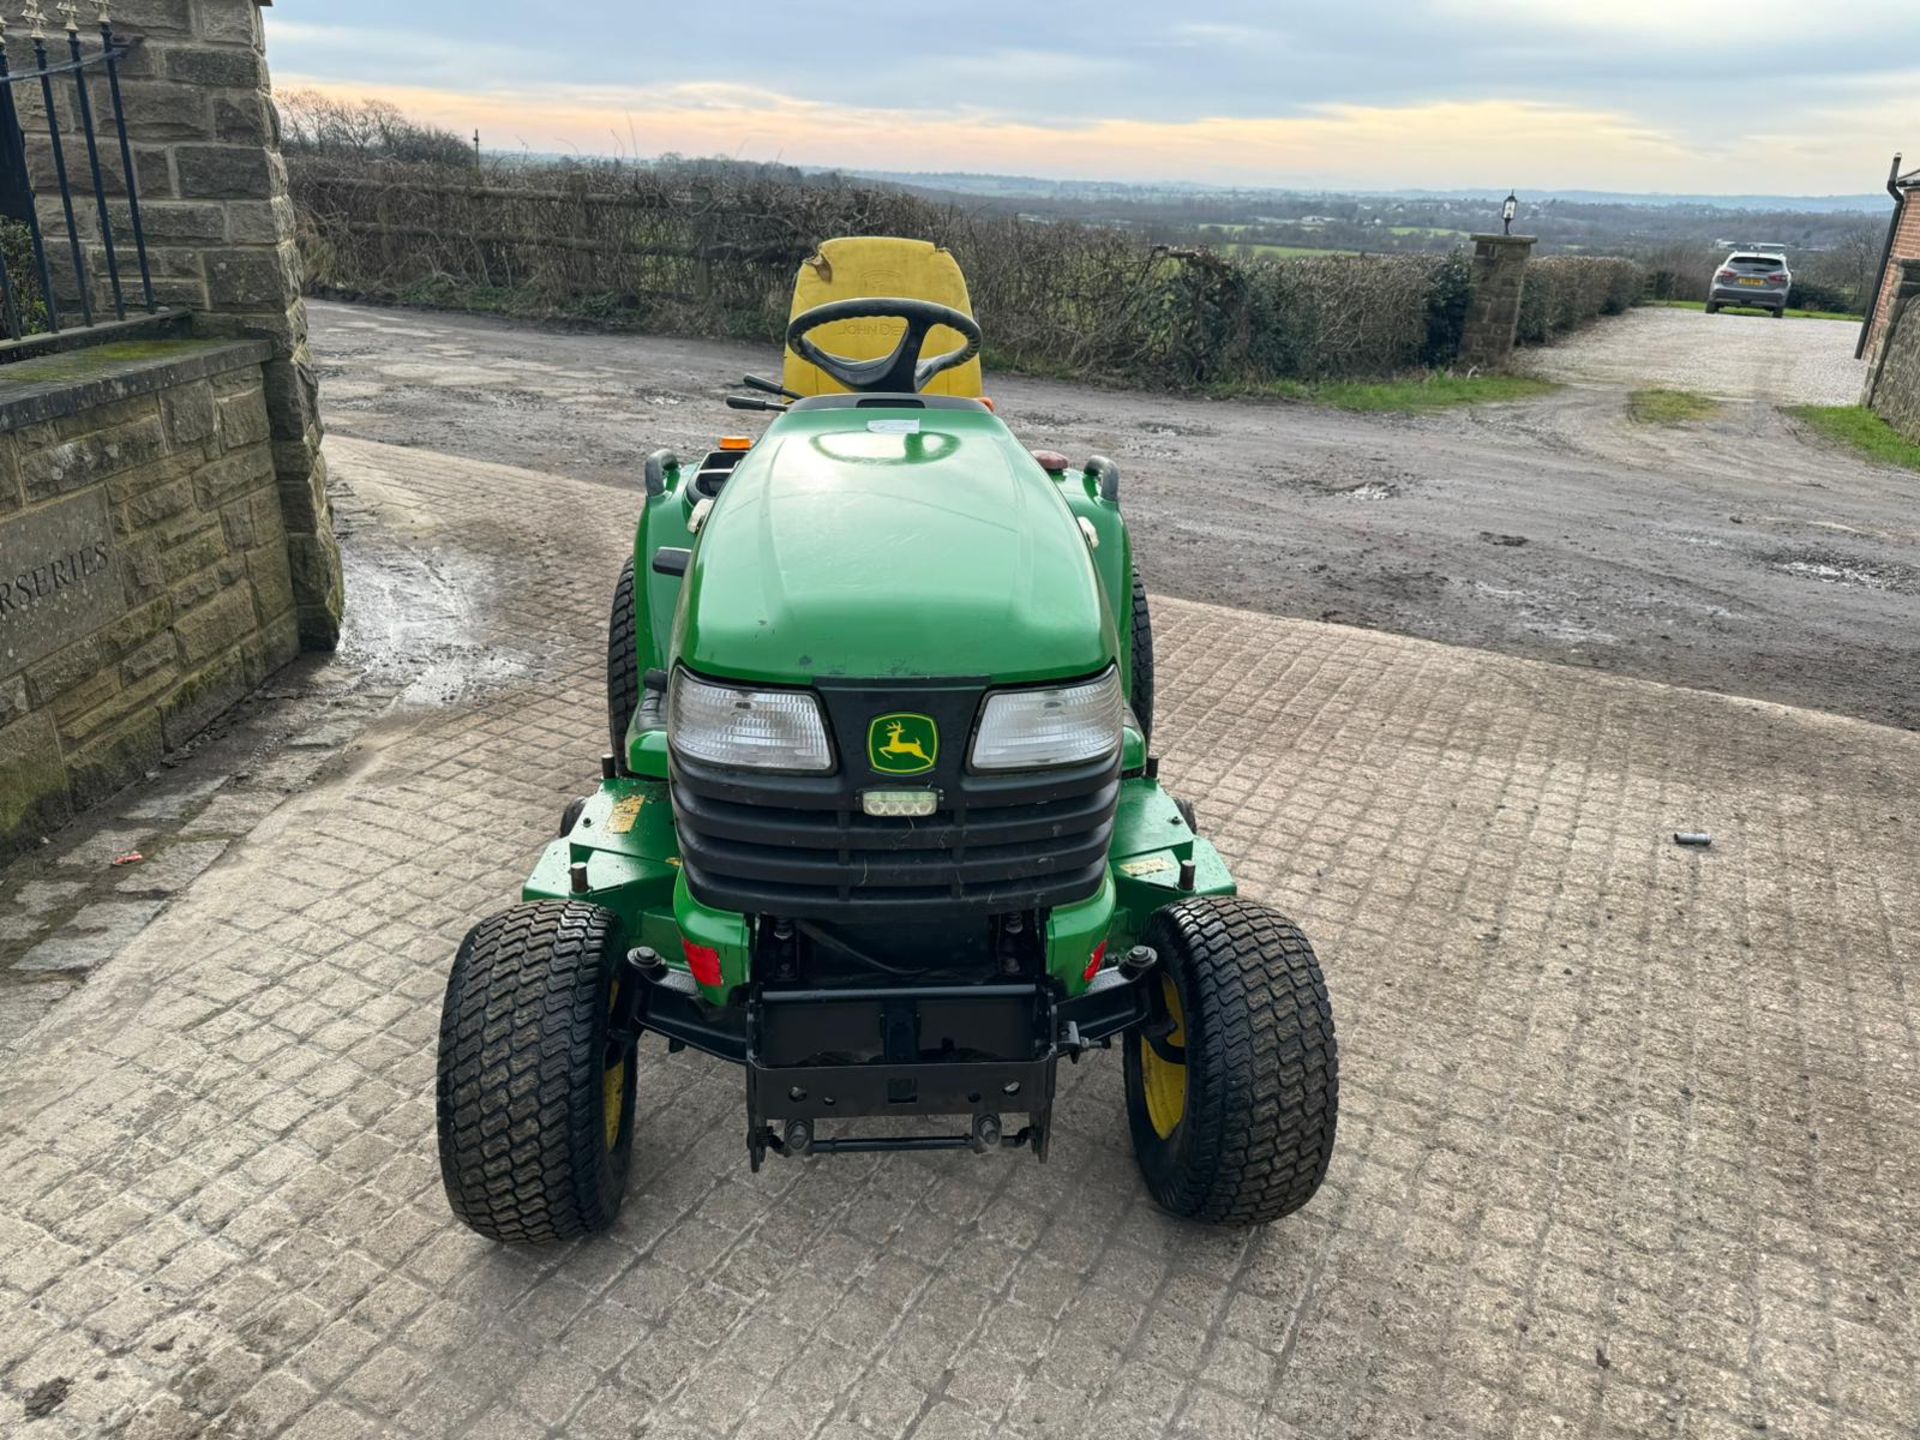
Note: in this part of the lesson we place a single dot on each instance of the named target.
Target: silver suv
(1751, 277)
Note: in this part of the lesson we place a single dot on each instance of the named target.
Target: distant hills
(1014, 186)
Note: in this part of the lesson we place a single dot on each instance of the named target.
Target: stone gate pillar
(220, 230)
(1499, 273)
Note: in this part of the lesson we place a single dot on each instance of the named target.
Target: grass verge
(1752, 310)
(1859, 427)
(1657, 406)
(1407, 395)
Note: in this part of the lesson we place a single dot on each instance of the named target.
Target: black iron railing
(46, 298)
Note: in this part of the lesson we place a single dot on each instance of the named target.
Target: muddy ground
(1741, 554)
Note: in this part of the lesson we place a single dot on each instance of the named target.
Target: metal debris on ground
(1692, 837)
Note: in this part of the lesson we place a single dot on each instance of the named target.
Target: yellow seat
(866, 267)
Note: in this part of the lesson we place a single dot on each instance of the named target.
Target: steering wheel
(902, 372)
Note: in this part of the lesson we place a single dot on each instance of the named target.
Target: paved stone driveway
(1630, 1142)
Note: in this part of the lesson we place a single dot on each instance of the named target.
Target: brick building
(1904, 244)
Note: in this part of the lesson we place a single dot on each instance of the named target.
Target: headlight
(758, 729)
(1066, 725)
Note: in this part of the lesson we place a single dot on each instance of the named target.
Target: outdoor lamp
(1508, 210)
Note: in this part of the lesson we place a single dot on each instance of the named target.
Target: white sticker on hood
(894, 427)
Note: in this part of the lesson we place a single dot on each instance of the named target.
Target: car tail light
(703, 961)
(1779, 277)
(1726, 275)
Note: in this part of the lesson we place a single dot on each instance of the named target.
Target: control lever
(748, 402)
(767, 387)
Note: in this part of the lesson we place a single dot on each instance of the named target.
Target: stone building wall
(1894, 381)
(145, 582)
(1905, 246)
(219, 227)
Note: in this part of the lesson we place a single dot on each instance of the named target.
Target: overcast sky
(1743, 96)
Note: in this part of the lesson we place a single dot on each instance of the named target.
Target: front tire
(1234, 1111)
(1142, 697)
(534, 1095)
(623, 669)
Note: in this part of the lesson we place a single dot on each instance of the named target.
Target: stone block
(142, 576)
(293, 396)
(84, 709)
(259, 222)
(272, 580)
(175, 222)
(137, 626)
(70, 669)
(196, 551)
(87, 459)
(150, 505)
(228, 67)
(243, 422)
(218, 625)
(223, 172)
(273, 646)
(160, 651)
(253, 520)
(114, 758)
(152, 17)
(13, 698)
(198, 700)
(33, 781)
(159, 110)
(11, 496)
(315, 564)
(189, 413)
(229, 22)
(232, 475)
(243, 120)
(250, 278)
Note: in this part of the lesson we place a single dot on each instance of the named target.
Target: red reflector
(1093, 965)
(703, 961)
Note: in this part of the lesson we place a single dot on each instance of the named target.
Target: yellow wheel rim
(613, 1083)
(1165, 1081)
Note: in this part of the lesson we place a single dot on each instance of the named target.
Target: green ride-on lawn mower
(881, 823)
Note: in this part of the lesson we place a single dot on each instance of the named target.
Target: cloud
(1443, 143)
(1632, 94)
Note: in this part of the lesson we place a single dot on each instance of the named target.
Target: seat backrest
(865, 267)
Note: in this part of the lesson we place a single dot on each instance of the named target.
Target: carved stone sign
(58, 580)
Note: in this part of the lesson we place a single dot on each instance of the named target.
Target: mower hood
(883, 543)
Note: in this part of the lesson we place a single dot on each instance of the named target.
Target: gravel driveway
(1736, 357)
(1741, 554)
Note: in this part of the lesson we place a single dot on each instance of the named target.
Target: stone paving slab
(1629, 1144)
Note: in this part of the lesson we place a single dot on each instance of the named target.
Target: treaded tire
(623, 669)
(520, 1099)
(1142, 697)
(1262, 1066)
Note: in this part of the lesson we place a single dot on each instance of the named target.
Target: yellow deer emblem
(896, 746)
(911, 746)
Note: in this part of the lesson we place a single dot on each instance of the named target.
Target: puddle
(1830, 567)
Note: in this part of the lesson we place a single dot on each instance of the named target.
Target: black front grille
(802, 846)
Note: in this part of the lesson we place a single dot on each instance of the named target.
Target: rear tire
(533, 1098)
(1712, 309)
(1142, 697)
(623, 669)
(1240, 1130)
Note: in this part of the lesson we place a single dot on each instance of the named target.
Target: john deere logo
(902, 744)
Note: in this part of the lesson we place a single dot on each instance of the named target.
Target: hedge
(715, 253)
(1566, 291)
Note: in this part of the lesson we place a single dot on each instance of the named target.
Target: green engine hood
(842, 547)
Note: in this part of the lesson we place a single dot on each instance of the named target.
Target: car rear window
(1759, 262)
